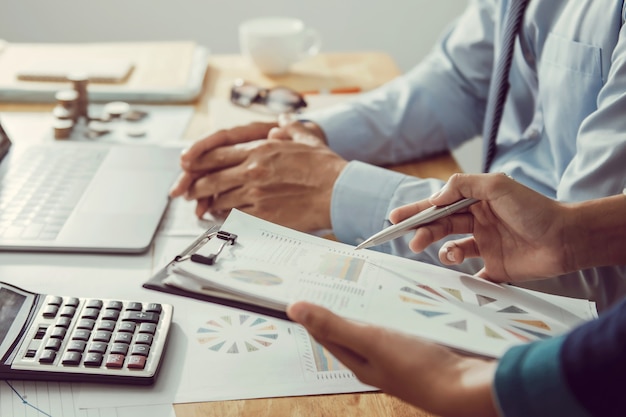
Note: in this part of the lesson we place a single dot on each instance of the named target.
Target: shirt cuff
(341, 125)
(360, 201)
(529, 381)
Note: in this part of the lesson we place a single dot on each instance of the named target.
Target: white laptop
(83, 197)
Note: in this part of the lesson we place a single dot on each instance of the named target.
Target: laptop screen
(5, 143)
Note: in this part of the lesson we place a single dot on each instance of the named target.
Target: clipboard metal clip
(190, 251)
(210, 260)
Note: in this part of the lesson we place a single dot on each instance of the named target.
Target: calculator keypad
(95, 336)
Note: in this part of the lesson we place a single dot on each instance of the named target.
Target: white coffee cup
(273, 44)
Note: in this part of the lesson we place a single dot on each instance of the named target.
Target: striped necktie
(500, 79)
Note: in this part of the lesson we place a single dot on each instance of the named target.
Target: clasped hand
(283, 173)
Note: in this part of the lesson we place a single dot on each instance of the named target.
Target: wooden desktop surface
(366, 70)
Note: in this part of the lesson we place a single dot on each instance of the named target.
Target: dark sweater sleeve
(593, 359)
(582, 373)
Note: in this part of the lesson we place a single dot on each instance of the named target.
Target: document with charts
(269, 267)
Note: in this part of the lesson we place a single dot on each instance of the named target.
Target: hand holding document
(269, 267)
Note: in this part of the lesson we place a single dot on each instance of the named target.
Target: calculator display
(11, 304)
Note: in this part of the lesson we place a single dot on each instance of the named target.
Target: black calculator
(74, 339)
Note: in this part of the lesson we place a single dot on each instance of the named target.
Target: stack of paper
(270, 266)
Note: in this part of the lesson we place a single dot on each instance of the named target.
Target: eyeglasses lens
(283, 99)
(276, 100)
(244, 94)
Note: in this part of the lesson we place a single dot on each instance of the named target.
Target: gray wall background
(406, 29)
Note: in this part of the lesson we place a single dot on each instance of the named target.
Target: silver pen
(423, 217)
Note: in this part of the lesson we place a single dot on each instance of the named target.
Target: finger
(298, 132)
(182, 184)
(483, 274)
(261, 196)
(400, 213)
(221, 157)
(460, 223)
(480, 186)
(326, 326)
(252, 131)
(215, 183)
(323, 325)
(455, 252)
(349, 358)
(278, 133)
(202, 206)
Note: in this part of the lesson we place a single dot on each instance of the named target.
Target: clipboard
(189, 254)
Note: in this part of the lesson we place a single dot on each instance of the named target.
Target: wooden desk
(326, 71)
(366, 70)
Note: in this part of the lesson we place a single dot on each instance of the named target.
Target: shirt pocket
(570, 78)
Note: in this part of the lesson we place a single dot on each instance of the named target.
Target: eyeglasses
(276, 99)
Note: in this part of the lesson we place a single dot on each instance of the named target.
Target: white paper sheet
(219, 353)
(53, 399)
(281, 265)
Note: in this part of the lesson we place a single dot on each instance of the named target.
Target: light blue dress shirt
(563, 131)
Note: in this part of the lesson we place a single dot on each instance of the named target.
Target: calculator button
(143, 339)
(90, 313)
(142, 350)
(47, 356)
(97, 304)
(86, 324)
(97, 347)
(50, 311)
(119, 349)
(127, 327)
(110, 314)
(133, 306)
(72, 302)
(106, 325)
(140, 316)
(123, 338)
(136, 362)
(76, 346)
(154, 308)
(63, 322)
(102, 336)
(149, 328)
(81, 335)
(68, 311)
(53, 344)
(55, 301)
(115, 361)
(71, 358)
(34, 344)
(115, 305)
(41, 332)
(30, 353)
(58, 333)
(93, 359)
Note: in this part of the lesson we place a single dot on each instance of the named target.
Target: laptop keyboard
(41, 188)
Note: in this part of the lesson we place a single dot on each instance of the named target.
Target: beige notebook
(130, 71)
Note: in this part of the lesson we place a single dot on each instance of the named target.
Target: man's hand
(426, 375)
(518, 232)
(287, 178)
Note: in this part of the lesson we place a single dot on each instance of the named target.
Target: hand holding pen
(509, 225)
(423, 217)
